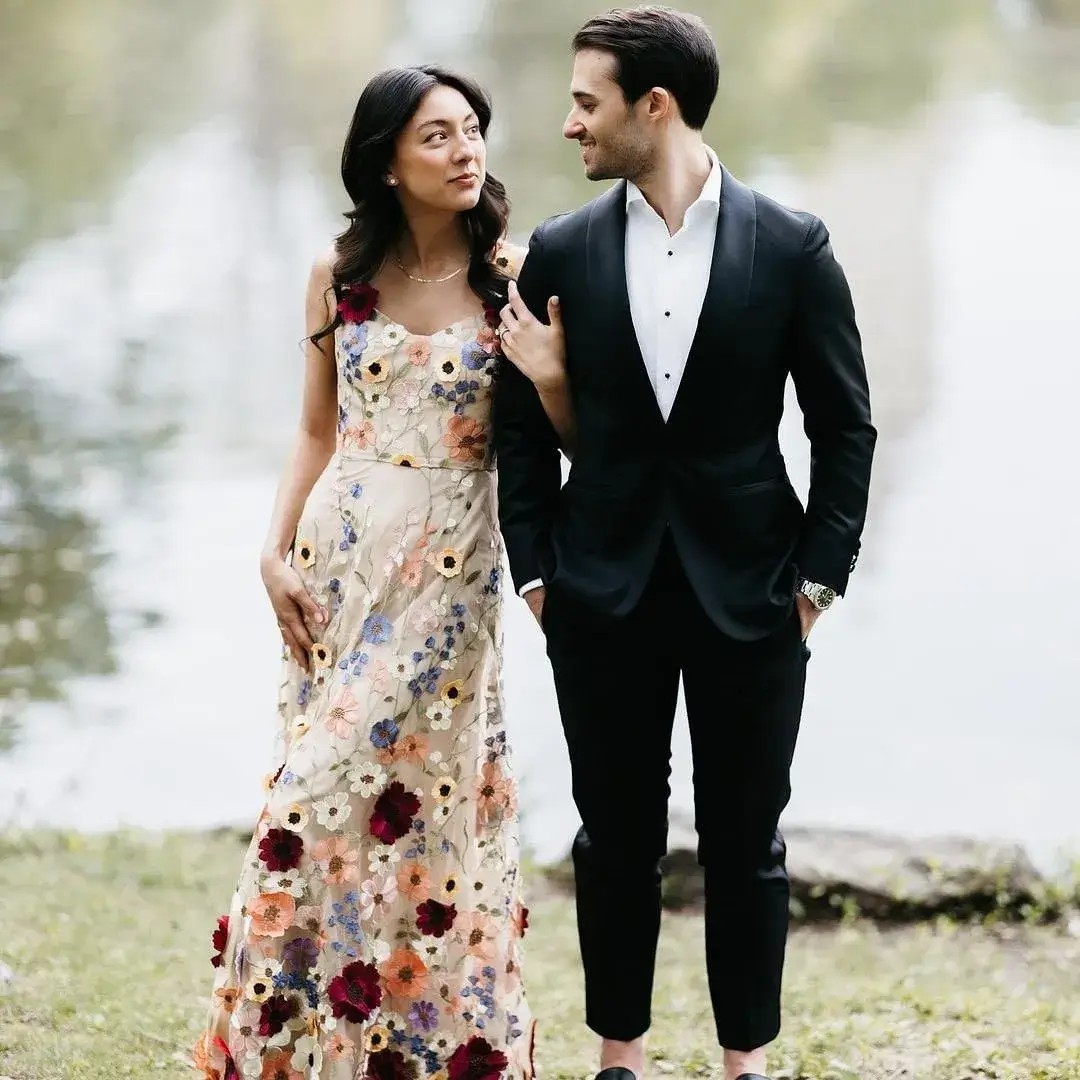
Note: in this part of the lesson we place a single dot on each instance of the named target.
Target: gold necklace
(428, 281)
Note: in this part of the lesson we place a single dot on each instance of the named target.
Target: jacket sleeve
(526, 446)
(829, 374)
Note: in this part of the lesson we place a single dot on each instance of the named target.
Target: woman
(374, 931)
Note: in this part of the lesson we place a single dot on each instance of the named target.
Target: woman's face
(441, 159)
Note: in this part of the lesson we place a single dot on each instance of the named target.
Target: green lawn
(108, 940)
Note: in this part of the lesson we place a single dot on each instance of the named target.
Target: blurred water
(167, 175)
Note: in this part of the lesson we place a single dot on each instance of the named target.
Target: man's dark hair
(657, 46)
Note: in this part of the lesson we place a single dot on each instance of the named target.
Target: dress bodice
(416, 400)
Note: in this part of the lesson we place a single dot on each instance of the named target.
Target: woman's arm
(311, 451)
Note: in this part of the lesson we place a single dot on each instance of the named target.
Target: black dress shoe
(751, 1076)
(618, 1073)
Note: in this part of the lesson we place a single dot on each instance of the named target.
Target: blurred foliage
(53, 619)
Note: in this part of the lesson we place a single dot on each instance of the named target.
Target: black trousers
(617, 685)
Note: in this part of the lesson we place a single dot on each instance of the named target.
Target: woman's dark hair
(376, 220)
(656, 46)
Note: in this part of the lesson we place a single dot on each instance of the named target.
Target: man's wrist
(821, 596)
(536, 583)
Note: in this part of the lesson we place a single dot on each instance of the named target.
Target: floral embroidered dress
(376, 925)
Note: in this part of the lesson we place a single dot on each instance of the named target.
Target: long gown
(375, 928)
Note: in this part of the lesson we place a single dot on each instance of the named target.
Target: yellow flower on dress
(405, 460)
(299, 725)
(304, 554)
(375, 370)
(448, 562)
(259, 988)
(295, 818)
(376, 1039)
(320, 655)
(444, 789)
(450, 887)
(452, 692)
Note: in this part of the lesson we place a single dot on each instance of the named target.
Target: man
(677, 546)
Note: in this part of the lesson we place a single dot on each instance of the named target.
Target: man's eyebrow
(582, 95)
(445, 123)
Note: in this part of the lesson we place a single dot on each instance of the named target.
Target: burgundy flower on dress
(220, 937)
(491, 315)
(434, 918)
(357, 302)
(389, 1065)
(393, 815)
(355, 994)
(476, 1060)
(281, 849)
(276, 1012)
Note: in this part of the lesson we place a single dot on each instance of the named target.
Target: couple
(375, 929)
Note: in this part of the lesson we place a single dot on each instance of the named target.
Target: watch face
(825, 596)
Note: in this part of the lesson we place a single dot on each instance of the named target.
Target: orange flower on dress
(419, 353)
(343, 714)
(227, 997)
(405, 974)
(277, 1065)
(466, 438)
(476, 931)
(494, 791)
(411, 748)
(340, 1046)
(360, 436)
(414, 881)
(336, 861)
(271, 914)
(412, 572)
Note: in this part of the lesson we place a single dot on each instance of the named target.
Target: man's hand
(808, 614)
(535, 599)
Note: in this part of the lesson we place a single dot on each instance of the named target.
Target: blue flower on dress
(473, 356)
(384, 734)
(377, 629)
(356, 491)
(304, 693)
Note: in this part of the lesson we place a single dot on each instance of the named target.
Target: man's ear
(660, 104)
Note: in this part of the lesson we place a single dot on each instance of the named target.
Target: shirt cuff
(536, 583)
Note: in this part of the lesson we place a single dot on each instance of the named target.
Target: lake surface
(167, 174)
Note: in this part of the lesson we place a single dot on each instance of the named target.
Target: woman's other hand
(292, 604)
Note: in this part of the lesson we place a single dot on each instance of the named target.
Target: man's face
(614, 141)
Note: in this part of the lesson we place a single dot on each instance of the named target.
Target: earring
(392, 181)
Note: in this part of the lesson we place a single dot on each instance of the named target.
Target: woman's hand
(291, 603)
(536, 350)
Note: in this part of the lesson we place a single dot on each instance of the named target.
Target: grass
(107, 938)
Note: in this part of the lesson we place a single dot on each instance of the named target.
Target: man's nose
(572, 129)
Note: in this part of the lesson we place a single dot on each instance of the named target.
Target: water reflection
(166, 175)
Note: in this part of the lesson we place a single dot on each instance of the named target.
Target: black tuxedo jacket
(777, 304)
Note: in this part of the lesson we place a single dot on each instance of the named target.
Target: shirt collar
(710, 192)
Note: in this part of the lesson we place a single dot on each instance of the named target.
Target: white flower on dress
(286, 881)
(299, 726)
(295, 818)
(377, 894)
(259, 987)
(441, 716)
(451, 660)
(393, 336)
(367, 779)
(448, 369)
(444, 339)
(405, 394)
(383, 858)
(376, 400)
(333, 811)
(307, 1056)
(380, 950)
(403, 668)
